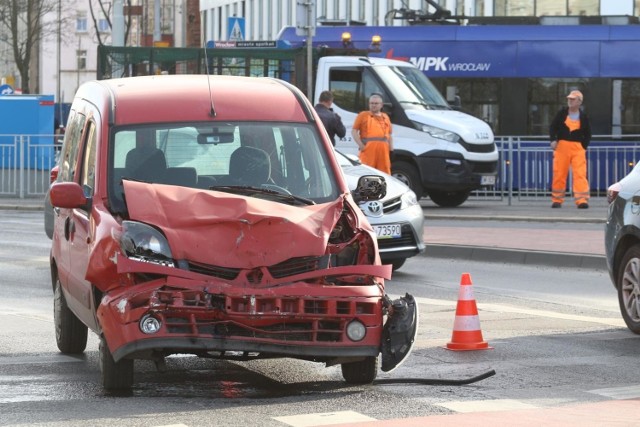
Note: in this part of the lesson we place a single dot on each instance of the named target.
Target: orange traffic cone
(466, 328)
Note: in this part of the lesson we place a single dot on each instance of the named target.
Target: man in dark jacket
(570, 134)
(332, 122)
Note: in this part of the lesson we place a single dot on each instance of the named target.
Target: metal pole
(58, 79)
(310, 50)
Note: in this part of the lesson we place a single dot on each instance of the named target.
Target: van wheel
(448, 199)
(408, 174)
(628, 285)
(361, 372)
(115, 376)
(397, 263)
(71, 333)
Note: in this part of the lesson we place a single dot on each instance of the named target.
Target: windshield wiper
(273, 194)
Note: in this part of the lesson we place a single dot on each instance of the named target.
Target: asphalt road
(559, 345)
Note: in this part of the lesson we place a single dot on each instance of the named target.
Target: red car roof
(176, 98)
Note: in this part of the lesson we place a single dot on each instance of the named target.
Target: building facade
(265, 18)
(68, 57)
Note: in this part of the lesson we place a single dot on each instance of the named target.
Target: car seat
(146, 164)
(250, 166)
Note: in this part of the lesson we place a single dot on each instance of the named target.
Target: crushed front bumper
(300, 318)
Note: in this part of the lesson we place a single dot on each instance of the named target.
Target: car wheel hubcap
(631, 289)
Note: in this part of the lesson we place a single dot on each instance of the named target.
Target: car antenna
(212, 113)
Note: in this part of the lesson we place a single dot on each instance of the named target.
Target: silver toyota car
(397, 219)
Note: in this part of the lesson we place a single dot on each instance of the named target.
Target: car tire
(628, 285)
(116, 376)
(397, 263)
(448, 199)
(361, 372)
(71, 333)
(408, 174)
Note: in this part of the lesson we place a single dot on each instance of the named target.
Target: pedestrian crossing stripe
(619, 393)
(486, 405)
(324, 419)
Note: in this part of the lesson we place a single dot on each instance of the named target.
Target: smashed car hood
(229, 230)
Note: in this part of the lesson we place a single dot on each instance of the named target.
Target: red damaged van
(208, 216)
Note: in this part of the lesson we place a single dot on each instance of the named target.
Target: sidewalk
(526, 232)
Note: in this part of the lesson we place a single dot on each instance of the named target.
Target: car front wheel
(71, 333)
(116, 376)
(628, 285)
(362, 372)
(448, 199)
(409, 175)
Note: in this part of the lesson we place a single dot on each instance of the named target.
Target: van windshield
(410, 86)
(283, 162)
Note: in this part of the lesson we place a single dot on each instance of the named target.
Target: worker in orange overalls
(570, 134)
(372, 132)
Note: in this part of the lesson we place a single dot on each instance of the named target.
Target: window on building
(81, 22)
(551, 8)
(167, 17)
(82, 59)
(103, 26)
(585, 7)
(479, 8)
(514, 8)
(546, 7)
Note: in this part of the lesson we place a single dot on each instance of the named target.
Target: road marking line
(324, 419)
(619, 393)
(486, 405)
(500, 308)
(40, 360)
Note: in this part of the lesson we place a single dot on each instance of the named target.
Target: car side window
(69, 157)
(89, 160)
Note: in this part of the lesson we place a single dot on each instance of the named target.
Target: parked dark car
(622, 245)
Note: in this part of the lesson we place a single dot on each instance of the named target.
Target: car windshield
(412, 88)
(282, 162)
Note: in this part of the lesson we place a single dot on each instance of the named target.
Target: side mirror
(370, 187)
(68, 195)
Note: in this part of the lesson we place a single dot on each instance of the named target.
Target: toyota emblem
(374, 209)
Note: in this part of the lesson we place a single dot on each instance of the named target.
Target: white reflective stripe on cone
(465, 293)
(466, 323)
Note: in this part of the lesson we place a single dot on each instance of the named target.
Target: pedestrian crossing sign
(235, 28)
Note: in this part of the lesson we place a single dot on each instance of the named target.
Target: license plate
(388, 231)
(487, 180)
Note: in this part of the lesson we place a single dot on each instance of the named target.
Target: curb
(517, 256)
(21, 208)
(512, 218)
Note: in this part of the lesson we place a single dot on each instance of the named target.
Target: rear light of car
(613, 191)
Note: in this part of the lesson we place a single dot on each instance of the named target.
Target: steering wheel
(275, 187)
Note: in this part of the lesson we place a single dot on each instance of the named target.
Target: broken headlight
(144, 243)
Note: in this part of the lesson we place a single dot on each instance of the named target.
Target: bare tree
(107, 9)
(23, 22)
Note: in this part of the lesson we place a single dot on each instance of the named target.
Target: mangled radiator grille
(287, 268)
